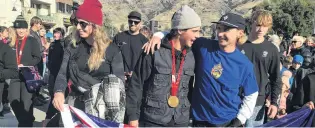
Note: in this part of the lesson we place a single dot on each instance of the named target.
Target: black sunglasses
(82, 23)
(132, 21)
(294, 42)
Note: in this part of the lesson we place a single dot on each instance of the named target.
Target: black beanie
(20, 22)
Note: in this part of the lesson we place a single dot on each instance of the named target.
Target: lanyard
(19, 51)
(175, 82)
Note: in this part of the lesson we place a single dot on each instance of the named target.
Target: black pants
(5, 93)
(21, 103)
(207, 124)
(1, 91)
(172, 123)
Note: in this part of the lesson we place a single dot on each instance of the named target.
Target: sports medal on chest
(173, 100)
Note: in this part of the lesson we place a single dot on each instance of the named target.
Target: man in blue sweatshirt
(221, 72)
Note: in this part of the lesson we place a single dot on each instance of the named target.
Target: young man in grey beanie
(222, 71)
(158, 92)
(27, 54)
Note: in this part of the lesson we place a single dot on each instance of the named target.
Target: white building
(7, 15)
(54, 13)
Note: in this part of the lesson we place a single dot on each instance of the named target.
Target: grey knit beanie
(185, 18)
(20, 22)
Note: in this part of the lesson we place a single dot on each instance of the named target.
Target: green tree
(291, 15)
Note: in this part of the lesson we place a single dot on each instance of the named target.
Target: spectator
(286, 75)
(276, 41)
(12, 36)
(130, 43)
(29, 55)
(8, 70)
(88, 63)
(287, 62)
(298, 81)
(297, 63)
(266, 59)
(297, 46)
(309, 43)
(146, 32)
(42, 33)
(4, 34)
(55, 56)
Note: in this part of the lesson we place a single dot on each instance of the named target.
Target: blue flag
(300, 118)
(32, 78)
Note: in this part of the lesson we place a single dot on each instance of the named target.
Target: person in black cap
(130, 42)
(222, 72)
(27, 54)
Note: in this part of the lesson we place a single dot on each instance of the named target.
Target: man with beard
(130, 42)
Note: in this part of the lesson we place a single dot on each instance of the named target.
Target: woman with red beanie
(95, 67)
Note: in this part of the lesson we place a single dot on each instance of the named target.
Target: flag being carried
(73, 117)
(32, 78)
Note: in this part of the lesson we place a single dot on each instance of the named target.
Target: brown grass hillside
(116, 11)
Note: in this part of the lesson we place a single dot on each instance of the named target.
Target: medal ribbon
(175, 82)
(20, 51)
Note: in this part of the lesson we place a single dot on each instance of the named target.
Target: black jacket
(305, 92)
(31, 55)
(299, 51)
(38, 40)
(55, 55)
(8, 66)
(148, 83)
(74, 66)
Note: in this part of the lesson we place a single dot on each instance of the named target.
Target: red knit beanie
(91, 10)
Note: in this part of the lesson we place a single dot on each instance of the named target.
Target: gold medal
(173, 101)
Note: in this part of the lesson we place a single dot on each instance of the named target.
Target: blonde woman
(12, 36)
(89, 63)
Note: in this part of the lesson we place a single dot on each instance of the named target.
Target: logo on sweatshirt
(265, 53)
(216, 71)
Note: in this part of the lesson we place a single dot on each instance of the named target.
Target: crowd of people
(235, 79)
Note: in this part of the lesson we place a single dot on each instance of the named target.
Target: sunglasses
(294, 42)
(82, 23)
(132, 21)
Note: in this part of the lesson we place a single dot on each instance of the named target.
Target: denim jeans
(257, 118)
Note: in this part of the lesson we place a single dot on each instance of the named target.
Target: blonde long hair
(101, 42)
(12, 36)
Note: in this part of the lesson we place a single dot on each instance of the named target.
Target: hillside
(116, 11)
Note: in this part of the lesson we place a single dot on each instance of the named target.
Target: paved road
(9, 119)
